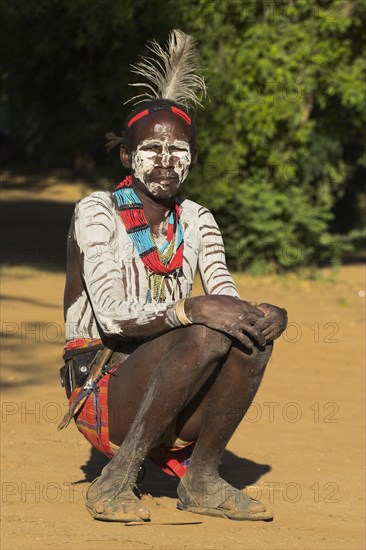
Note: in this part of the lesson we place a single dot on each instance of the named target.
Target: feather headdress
(173, 73)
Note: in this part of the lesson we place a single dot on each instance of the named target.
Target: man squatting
(132, 259)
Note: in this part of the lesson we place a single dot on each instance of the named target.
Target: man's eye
(151, 151)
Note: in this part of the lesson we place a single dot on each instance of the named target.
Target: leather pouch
(76, 369)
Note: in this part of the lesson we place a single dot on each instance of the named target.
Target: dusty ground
(300, 448)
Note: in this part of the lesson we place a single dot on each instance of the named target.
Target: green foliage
(65, 69)
(283, 135)
(281, 141)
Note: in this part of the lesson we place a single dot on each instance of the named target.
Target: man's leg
(167, 372)
(232, 379)
(127, 387)
(217, 417)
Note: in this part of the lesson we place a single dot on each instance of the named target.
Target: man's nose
(166, 160)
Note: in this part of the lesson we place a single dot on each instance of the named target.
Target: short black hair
(153, 106)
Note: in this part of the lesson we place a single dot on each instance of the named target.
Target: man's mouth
(165, 174)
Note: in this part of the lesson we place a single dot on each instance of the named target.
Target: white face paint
(173, 153)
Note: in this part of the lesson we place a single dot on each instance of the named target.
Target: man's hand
(227, 314)
(273, 323)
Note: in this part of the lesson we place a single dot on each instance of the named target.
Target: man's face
(161, 159)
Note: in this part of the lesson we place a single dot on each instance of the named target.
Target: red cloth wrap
(172, 461)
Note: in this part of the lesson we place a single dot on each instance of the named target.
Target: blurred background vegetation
(281, 139)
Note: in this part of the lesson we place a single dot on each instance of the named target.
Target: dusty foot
(211, 495)
(114, 500)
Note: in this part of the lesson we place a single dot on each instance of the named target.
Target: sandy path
(302, 439)
(300, 448)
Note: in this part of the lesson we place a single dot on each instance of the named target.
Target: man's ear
(194, 159)
(125, 156)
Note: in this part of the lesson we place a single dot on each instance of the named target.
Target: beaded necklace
(159, 261)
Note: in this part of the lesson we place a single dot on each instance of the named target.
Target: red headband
(173, 109)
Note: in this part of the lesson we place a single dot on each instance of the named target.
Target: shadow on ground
(34, 233)
(26, 368)
(238, 471)
(30, 301)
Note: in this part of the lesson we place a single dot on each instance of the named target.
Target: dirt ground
(300, 448)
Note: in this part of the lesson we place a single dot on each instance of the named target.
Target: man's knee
(211, 343)
(260, 358)
(255, 359)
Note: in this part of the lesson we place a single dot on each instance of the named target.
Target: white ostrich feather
(173, 74)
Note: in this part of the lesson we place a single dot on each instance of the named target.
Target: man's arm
(215, 276)
(93, 234)
(217, 280)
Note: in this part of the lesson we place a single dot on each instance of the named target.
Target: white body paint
(174, 153)
(115, 276)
